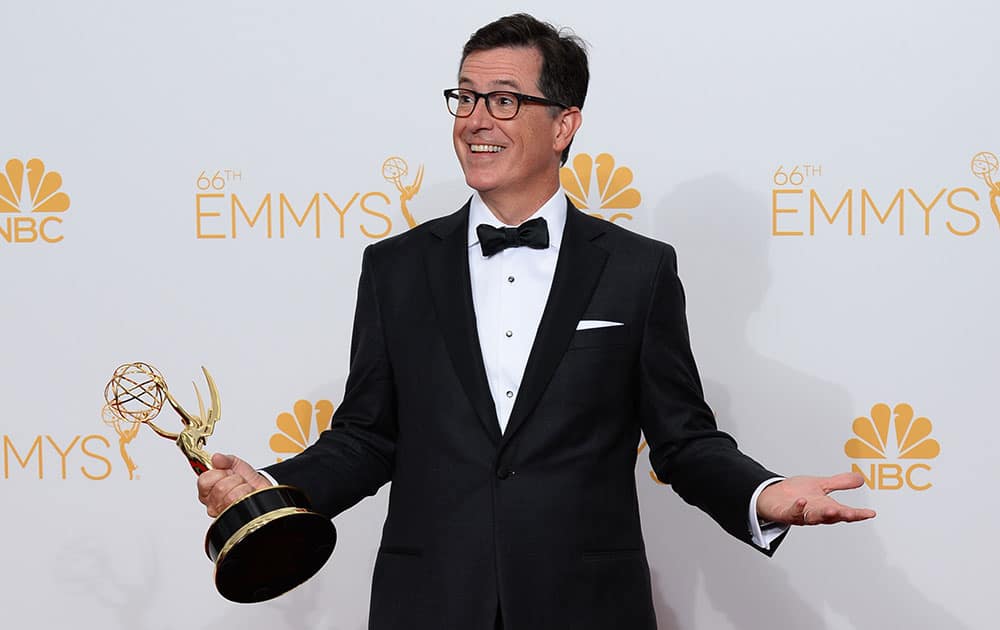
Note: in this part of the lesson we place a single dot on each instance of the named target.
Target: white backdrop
(732, 118)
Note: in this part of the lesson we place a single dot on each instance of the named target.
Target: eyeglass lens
(500, 104)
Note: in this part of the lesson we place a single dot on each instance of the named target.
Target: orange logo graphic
(40, 196)
(802, 206)
(613, 191)
(393, 170)
(984, 165)
(295, 429)
(126, 432)
(65, 457)
(892, 433)
(652, 475)
(226, 209)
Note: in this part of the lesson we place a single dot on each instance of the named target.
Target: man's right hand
(229, 480)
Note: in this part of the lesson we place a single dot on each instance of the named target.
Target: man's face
(502, 157)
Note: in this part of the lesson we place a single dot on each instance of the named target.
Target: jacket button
(504, 473)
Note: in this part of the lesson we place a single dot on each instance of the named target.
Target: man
(500, 378)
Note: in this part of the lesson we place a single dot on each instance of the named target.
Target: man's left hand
(805, 501)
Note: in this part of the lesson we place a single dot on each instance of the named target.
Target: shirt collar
(553, 211)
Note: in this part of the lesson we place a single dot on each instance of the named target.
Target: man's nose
(480, 118)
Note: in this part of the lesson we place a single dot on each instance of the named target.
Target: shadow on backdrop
(794, 422)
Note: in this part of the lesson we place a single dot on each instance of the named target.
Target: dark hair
(564, 75)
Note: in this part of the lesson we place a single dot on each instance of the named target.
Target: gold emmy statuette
(265, 544)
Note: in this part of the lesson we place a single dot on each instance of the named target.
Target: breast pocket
(603, 337)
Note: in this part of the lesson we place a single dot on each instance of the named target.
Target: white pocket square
(587, 324)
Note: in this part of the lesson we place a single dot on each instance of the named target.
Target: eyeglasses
(500, 105)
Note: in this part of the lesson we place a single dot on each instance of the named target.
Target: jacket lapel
(578, 269)
(446, 259)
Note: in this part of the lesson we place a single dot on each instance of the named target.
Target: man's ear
(567, 123)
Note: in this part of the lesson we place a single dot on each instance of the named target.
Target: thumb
(221, 461)
(233, 465)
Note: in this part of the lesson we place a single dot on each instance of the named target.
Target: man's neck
(516, 209)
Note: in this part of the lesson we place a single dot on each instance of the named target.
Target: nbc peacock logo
(299, 429)
(31, 203)
(893, 433)
(613, 191)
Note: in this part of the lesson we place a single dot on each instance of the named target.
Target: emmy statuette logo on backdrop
(264, 544)
(984, 166)
(393, 170)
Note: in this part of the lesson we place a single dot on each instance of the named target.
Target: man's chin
(479, 183)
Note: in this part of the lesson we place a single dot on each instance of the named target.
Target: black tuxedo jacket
(542, 521)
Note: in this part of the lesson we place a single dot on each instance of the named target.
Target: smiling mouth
(485, 148)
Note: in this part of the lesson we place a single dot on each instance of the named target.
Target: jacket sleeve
(687, 450)
(354, 458)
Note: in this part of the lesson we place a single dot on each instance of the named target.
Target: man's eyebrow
(497, 83)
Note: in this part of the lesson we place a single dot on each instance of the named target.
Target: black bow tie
(533, 234)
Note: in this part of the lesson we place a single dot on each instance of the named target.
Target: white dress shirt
(509, 291)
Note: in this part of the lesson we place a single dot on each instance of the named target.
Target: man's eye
(465, 99)
(504, 100)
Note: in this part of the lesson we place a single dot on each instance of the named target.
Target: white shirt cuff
(763, 533)
(267, 476)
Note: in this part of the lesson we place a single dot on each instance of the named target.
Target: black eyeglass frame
(520, 98)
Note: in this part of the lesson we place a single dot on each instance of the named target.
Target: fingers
(230, 480)
(797, 513)
(804, 501)
(829, 512)
(842, 481)
(227, 491)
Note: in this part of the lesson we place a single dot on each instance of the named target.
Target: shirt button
(509, 333)
(510, 394)
(504, 474)
(510, 278)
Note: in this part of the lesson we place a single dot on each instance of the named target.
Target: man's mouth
(485, 148)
